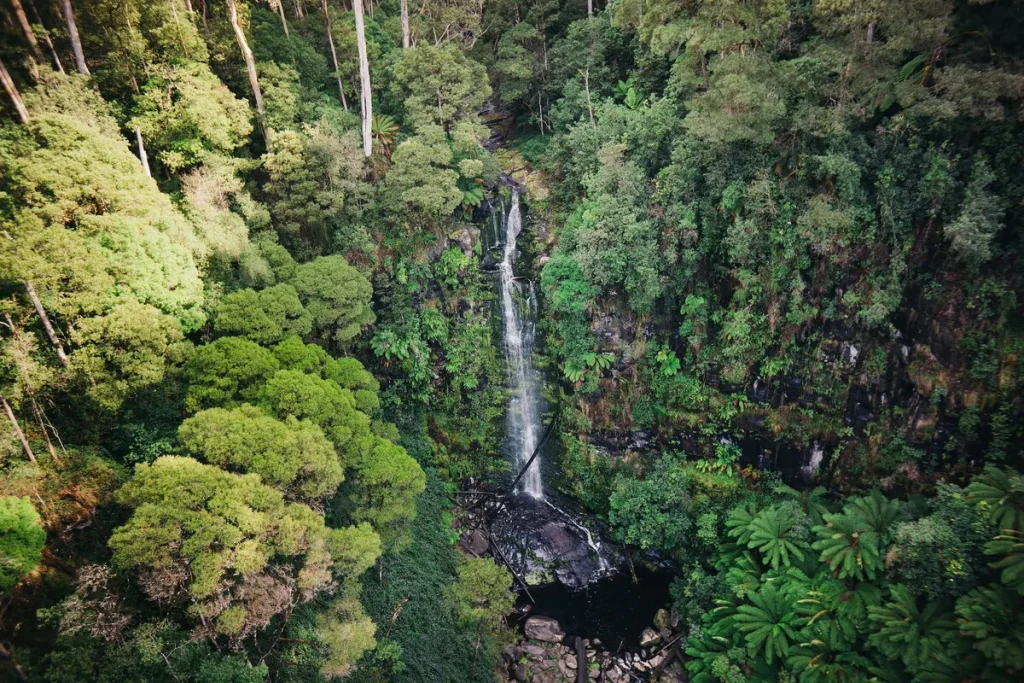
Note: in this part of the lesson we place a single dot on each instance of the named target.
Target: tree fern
(821, 619)
(744, 575)
(993, 619)
(815, 662)
(811, 502)
(771, 534)
(907, 633)
(767, 623)
(849, 545)
(877, 511)
(1011, 546)
(1000, 493)
(738, 523)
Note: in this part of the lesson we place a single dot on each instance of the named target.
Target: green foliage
(421, 177)
(389, 481)
(292, 456)
(22, 538)
(440, 86)
(336, 295)
(186, 113)
(227, 372)
(772, 534)
(909, 633)
(435, 644)
(991, 617)
(315, 189)
(1009, 544)
(999, 494)
(483, 594)
(766, 623)
(265, 317)
(199, 533)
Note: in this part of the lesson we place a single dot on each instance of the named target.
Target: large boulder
(545, 629)
(649, 637)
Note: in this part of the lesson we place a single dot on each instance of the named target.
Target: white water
(594, 545)
(812, 461)
(523, 382)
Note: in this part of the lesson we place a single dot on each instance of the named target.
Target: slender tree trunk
(46, 36)
(586, 85)
(405, 23)
(142, 152)
(181, 36)
(284, 22)
(4, 652)
(366, 99)
(298, 8)
(590, 9)
(46, 322)
(76, 42)
(46, 435)
(188, 6)
(30, 35)
(17, 429)
(250, 63)
(334, 56)
(12, 92)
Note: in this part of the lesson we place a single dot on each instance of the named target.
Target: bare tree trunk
(250, 63)
(12, 92)
(284, 22)
(590, 9)
(142, 152)
(188, 6)
(334, 56)
(586, 85)
(46, 435)
(46, 36)
(405, 23)
(30, 36)
(76, 42)
(4, 652)
(46, 322)
(298, 8)
(17, 429)
(366, 99)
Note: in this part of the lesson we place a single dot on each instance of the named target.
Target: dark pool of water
(614, 609)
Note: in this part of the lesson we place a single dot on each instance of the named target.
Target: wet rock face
(544, 629)
(545, 545)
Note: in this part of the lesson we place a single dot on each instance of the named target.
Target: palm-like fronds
(877, 511)
(384, 131)
(908, 633)
(1000, 493)
(993, 619)
(849, 545)
(738, 524)
(767, 623)
(815, 662)
(1011, 546)
(771, 534)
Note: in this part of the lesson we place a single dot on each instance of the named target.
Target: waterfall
(812, 461)
(523, 382)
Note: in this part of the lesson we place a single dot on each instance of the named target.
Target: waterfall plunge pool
(614, 609)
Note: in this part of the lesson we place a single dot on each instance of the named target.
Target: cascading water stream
(523, 381)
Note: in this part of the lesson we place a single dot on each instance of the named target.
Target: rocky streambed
(548, 655)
